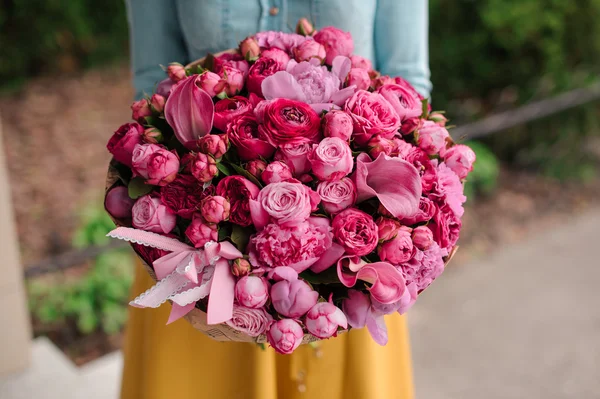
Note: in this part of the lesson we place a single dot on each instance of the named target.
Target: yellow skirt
(178, 362)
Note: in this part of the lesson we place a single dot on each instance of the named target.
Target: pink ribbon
(186, 275)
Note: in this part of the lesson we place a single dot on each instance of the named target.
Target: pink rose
(176, 71)
(445, 226)
(200, 232)
(288, 122)
(360, 78)
(140, 110)
(361, 62)
(427, 209)
(293, 298)
(371, 114)
(249, 48)
(150, 214)
(296, 157)
(215, 209)
(401, 148)
(425, 266)
(399, 249)
(422, 237)
(337, 123)
(256, 167)
(331, 159)
(460, 158)
(285, 336)
(152, 135)
(243, 133)
(323, 320)
(232, 80)
(154, 163)
(232, 60)
(448, 190)
(252, 291)
(213, 144)
(239, 191)
(278, 55)
(336, 42)
(280, 40)
(427, 167)
(387, 228)
(259, 71)
(311, 51)
(157, 103)
(124, 140)
(276, 172)
(284, 202)
(298, 246)
(380, 145)
(203, 167)
(211, 83)
(337, 195)
(118, 204)
(252, 322)
(240, 267)
(229, 109)
(355, 231)
(431, 138)
(182, 195)
(405, 101)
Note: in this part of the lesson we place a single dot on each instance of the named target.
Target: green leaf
(224, 231)
(223, 169)
(240, 237)
(241, 171)
(328, 276)
(424, 107)
(137, 187)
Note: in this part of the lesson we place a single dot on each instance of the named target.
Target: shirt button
(274, 11)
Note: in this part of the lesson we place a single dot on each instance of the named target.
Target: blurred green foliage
(96, 300)
(484, 177)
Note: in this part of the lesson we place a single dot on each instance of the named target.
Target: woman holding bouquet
(176, 361)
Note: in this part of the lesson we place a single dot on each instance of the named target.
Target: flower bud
(438, 118)
(240, 267)
(380, 145)
(157, 103)
(152, 136)
(387, 228)
(203, 167)
(337, 124)
(252, 291)
(215, 209)
(276, 172)
(285, 336)
(422, 237)
(213, 144)
(304, 27)
(323, 320)
(118, 203)
(199, 232)
(250, 49)
(256, 167)
(176, 71)
(140, 110)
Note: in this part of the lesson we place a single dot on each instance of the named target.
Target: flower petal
(387, 283)
(341, 67)
(340, 97)
(329, 258)
(260, 217)
(282, 84)
(377, 328)
(356, 308)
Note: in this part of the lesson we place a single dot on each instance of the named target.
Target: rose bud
(380, 145)
(250, 49)
(256, 167)
(154, 163)
(398, 250)
(401, 148)
(276, 172)
(337, 195)
(358, 77)
(164, 87)
(331, 159)
(215, 209)
(153, 136)
(213, 144)
(296, 157)
(252, 291)
(422, 237)
(140, 110)
(118, 203)
(203, 167)
(361, 62)
(199, 232)
(211, 83)
(460, 159)
(278, 55)
(150, 214)
(262, 68)
(233, 79)
(336, 42)
(293, 298)
(431, 138)
(387, 228)
(240, 267)
(323, 320)
(304, 27)
(309, 50)
(124, 140)
(285, 336)
(337, 124)
(157, 103)
(176, 72)
(438, 118)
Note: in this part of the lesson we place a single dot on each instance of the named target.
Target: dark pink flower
(460, 158)
(124, 140)
(336, 42)
(355, 231)
(150, 214)
(324, 319)
(182, 195)
(229, 109)
(200, 232)
(337, 123)
(118, 204)
(243, 133)
(239, 191)
(331, 159)
(276, 172)
(285, 336)
(372, 114)
(156, 164)
(399, 249)
(259, 71)
(288, 122)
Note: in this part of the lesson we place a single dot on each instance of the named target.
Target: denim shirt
(391, 33)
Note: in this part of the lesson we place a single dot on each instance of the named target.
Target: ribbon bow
(186, 275)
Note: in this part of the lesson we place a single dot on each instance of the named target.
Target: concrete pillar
(15, 329)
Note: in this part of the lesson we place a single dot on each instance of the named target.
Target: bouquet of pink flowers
(285, 191)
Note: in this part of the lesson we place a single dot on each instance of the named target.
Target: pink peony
(252, 291)
(372, 114)
(288, 122)
(448, 190)
(293, 298)
(399, 249)
(337, 195)
(358, 77)
(406, 103)
(324, 319)
(425, 266)
(285, 336)
(260, 70)
(298, 246)
(337, 123)
(278, 55)
(427, 167)
(182, 195)
(229, 109)
(211, 83)
(276, 172)
(124, 140)
(310, 51)
(355, 231)
(331, 159)
(252, 322)
(213, 144)
(359, 312)
(280, 40)
(155, 163)
(361, 62)
(422, 237)
(117, 203)
(243, 133)
(432, 138)
(203, 167)
(284, 202)
(200, 232)
(239, 191)
(445, 226)
(296, 157)
(460, 158)
(150, 214)
(215, 209)
(387, 228)
(336, 42)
